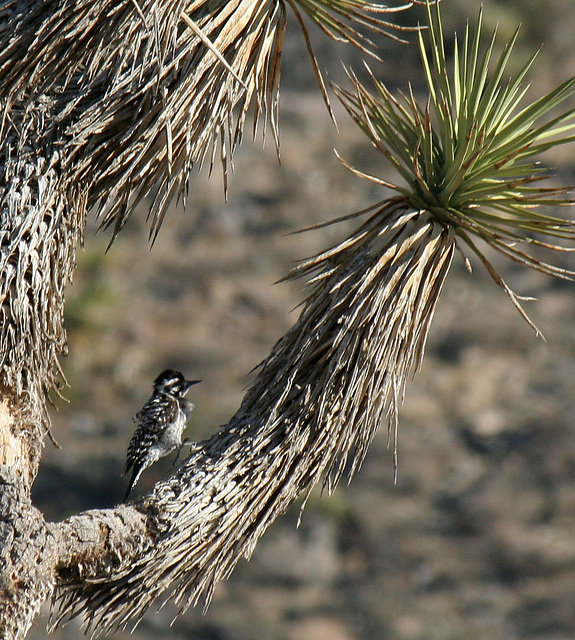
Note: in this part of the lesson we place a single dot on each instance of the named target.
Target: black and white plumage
(161, 422)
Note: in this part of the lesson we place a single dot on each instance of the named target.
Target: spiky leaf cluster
(469, 154)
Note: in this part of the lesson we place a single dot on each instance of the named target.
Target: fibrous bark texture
(25, 577)
(41, 218)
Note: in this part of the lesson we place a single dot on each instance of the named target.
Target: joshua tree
(104, 102)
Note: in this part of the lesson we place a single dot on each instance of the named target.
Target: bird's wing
(152, 420)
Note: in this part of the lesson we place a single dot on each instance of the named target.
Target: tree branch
(313, 409)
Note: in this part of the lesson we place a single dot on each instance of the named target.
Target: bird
(161, 422)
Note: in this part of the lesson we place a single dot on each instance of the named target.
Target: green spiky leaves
(468, 154)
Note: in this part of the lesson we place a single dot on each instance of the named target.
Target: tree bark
(38, 556)
(26, 573)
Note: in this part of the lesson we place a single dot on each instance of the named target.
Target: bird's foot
(186, 441)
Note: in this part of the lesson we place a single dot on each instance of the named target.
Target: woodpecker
(161, 422)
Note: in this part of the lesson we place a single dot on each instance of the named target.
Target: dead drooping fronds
(104, 102)
(312, 411)
(146, 90)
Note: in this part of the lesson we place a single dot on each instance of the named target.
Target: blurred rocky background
(477, 538)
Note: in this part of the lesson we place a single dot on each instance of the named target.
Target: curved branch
(101, 102)
(314, 407)
(311, 413)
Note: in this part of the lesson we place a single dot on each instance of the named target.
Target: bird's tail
(135, 476)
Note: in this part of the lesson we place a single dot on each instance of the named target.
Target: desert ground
(476, 539)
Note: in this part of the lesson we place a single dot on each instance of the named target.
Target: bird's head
(173, 383)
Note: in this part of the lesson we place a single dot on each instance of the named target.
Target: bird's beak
(189, 383)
